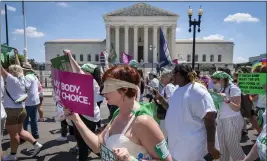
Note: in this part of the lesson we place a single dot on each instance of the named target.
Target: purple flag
(126, 58)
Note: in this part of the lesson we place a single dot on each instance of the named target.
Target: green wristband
(133, 158)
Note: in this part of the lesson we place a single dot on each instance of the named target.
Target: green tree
(34, 64)
(12, 59)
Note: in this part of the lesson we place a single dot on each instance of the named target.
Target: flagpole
(7, 41)
(25, 34)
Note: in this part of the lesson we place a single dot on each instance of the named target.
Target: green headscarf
(88, 67)
(133, 63)
(221, 75)
(215, 75)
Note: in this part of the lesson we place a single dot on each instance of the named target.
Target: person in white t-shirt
(32, 101)
(153, 83)
(230, 122)
(95, 71)
(190, 119)
(14, 97)
(3, 112)
(90, 122)
(168, 89)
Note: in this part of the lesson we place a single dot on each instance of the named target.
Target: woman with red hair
(132, 130)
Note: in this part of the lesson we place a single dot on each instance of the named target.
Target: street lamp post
(194, 23)
(7, 41)
(151, 48)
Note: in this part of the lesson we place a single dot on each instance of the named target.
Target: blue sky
(242, 22)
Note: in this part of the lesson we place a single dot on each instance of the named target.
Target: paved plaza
(59, 151)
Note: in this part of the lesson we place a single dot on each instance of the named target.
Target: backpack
(142, 86)
(161, 111)
(245, 105)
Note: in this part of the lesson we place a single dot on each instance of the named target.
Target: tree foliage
(34, 64)
(12, 59)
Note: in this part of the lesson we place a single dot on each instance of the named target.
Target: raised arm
(4, 73)
(16, 57)
(74, 65)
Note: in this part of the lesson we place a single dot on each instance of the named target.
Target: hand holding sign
(76, 94)
(106, 154)
(71, 115)
(67, 52)
(225, 99)
(217, 99)
(122, 154)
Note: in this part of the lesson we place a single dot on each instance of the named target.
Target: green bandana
(88, 67)
(216, 74)
(133, 63)
(222, 75)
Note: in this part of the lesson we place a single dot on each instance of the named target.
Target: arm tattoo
(210, 127)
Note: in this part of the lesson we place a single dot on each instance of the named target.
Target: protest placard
(252, 83)
(217, 99)
(75, 94)
(61, 63)
(106, 154)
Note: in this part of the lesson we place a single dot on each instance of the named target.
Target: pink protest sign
(74, 91)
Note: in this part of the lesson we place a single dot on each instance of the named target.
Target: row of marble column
(135, 28)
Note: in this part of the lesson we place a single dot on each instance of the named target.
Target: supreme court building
(135, 31)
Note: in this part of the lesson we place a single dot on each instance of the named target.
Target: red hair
(124, 73)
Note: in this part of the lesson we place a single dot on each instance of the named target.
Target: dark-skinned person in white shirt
(190, 119)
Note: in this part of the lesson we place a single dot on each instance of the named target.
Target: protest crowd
(177, 114)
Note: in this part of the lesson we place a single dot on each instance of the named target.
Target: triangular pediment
(141, 9)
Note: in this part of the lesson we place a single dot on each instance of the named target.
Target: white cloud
(10, 8)
(30, 31)
(210, 37)
(63, 4)
(240, 60)
(178, 29)
(232, 39)
(214, 37)
(241, 17)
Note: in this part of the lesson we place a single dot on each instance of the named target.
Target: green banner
(217, 99)
(61, 63)
(6, 49)
(112, 55)
(4, 56)
(252, 83)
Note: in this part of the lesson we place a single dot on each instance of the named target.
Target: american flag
(164, 57)
(126, 58)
